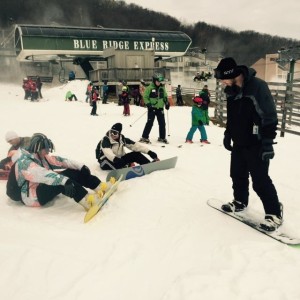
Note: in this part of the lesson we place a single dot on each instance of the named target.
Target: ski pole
(138, 118)
(168, 122)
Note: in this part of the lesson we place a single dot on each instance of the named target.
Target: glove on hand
(167, 105)
(267, 150)
(119, 162)
(5, 160)
(70, 189)
(200, 122)
(227, 142)
(152, 154)
(85, 171)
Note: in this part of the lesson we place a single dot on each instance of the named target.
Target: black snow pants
(46, 193)
(245, 161)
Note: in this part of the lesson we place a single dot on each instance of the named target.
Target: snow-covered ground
(156, 239)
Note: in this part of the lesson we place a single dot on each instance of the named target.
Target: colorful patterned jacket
(31, 170)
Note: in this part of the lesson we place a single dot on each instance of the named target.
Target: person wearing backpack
(199, 119)
(38, 177)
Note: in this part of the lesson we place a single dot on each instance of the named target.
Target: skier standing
(156, 98)
(199, 119)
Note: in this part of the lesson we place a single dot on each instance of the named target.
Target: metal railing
(287, 101)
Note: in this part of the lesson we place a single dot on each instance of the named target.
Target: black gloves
(152, 154)
(200, 122)
(4, 161)
(267, 150)
(167, 105)
(85, 171)
(119, 162)
(70, 189)
(227, 142)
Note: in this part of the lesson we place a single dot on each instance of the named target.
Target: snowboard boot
(234, 206)
(90, 200)
(103, 187)
(272, 222)
(189, 141)
(161, 140)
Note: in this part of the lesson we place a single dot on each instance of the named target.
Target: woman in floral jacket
(41, 176)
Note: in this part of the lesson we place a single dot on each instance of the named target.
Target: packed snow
(156, 238)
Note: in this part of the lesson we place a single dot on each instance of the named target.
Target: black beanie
(118, 127)
(227, 69)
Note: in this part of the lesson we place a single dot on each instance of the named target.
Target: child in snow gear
(110, 151)
(199, 119)
(251, 125)
(156, 98)
(94, 98)
(125, 100)
(38, 182)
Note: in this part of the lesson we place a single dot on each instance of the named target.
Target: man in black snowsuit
(251, 125)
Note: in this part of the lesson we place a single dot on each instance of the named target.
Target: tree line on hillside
(247, 46)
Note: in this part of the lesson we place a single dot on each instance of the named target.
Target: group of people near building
(249, 136)
(32, 88)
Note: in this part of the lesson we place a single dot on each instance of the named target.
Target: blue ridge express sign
(34, 40)
(121, 45)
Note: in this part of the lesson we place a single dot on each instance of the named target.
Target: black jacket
(250, 108)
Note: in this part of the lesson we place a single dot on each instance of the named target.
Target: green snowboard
(138, 171)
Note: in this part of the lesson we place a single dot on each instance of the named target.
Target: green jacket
(156, 96)
(69, 94)
(199, 114)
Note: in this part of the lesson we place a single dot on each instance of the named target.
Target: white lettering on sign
(85, 44)
(121, 45)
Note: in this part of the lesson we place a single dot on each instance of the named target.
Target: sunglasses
(114, 132)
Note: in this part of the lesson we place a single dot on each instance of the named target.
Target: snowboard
(95, 208)
(138, 171)
(4, 174)
(253, 221)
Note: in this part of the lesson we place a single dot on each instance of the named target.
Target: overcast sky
(280, 18)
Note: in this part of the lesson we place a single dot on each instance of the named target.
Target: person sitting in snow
(40, 178)
(16, 142)
(111, 154)
(70, 96)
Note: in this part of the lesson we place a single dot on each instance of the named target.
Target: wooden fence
(287, 100)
